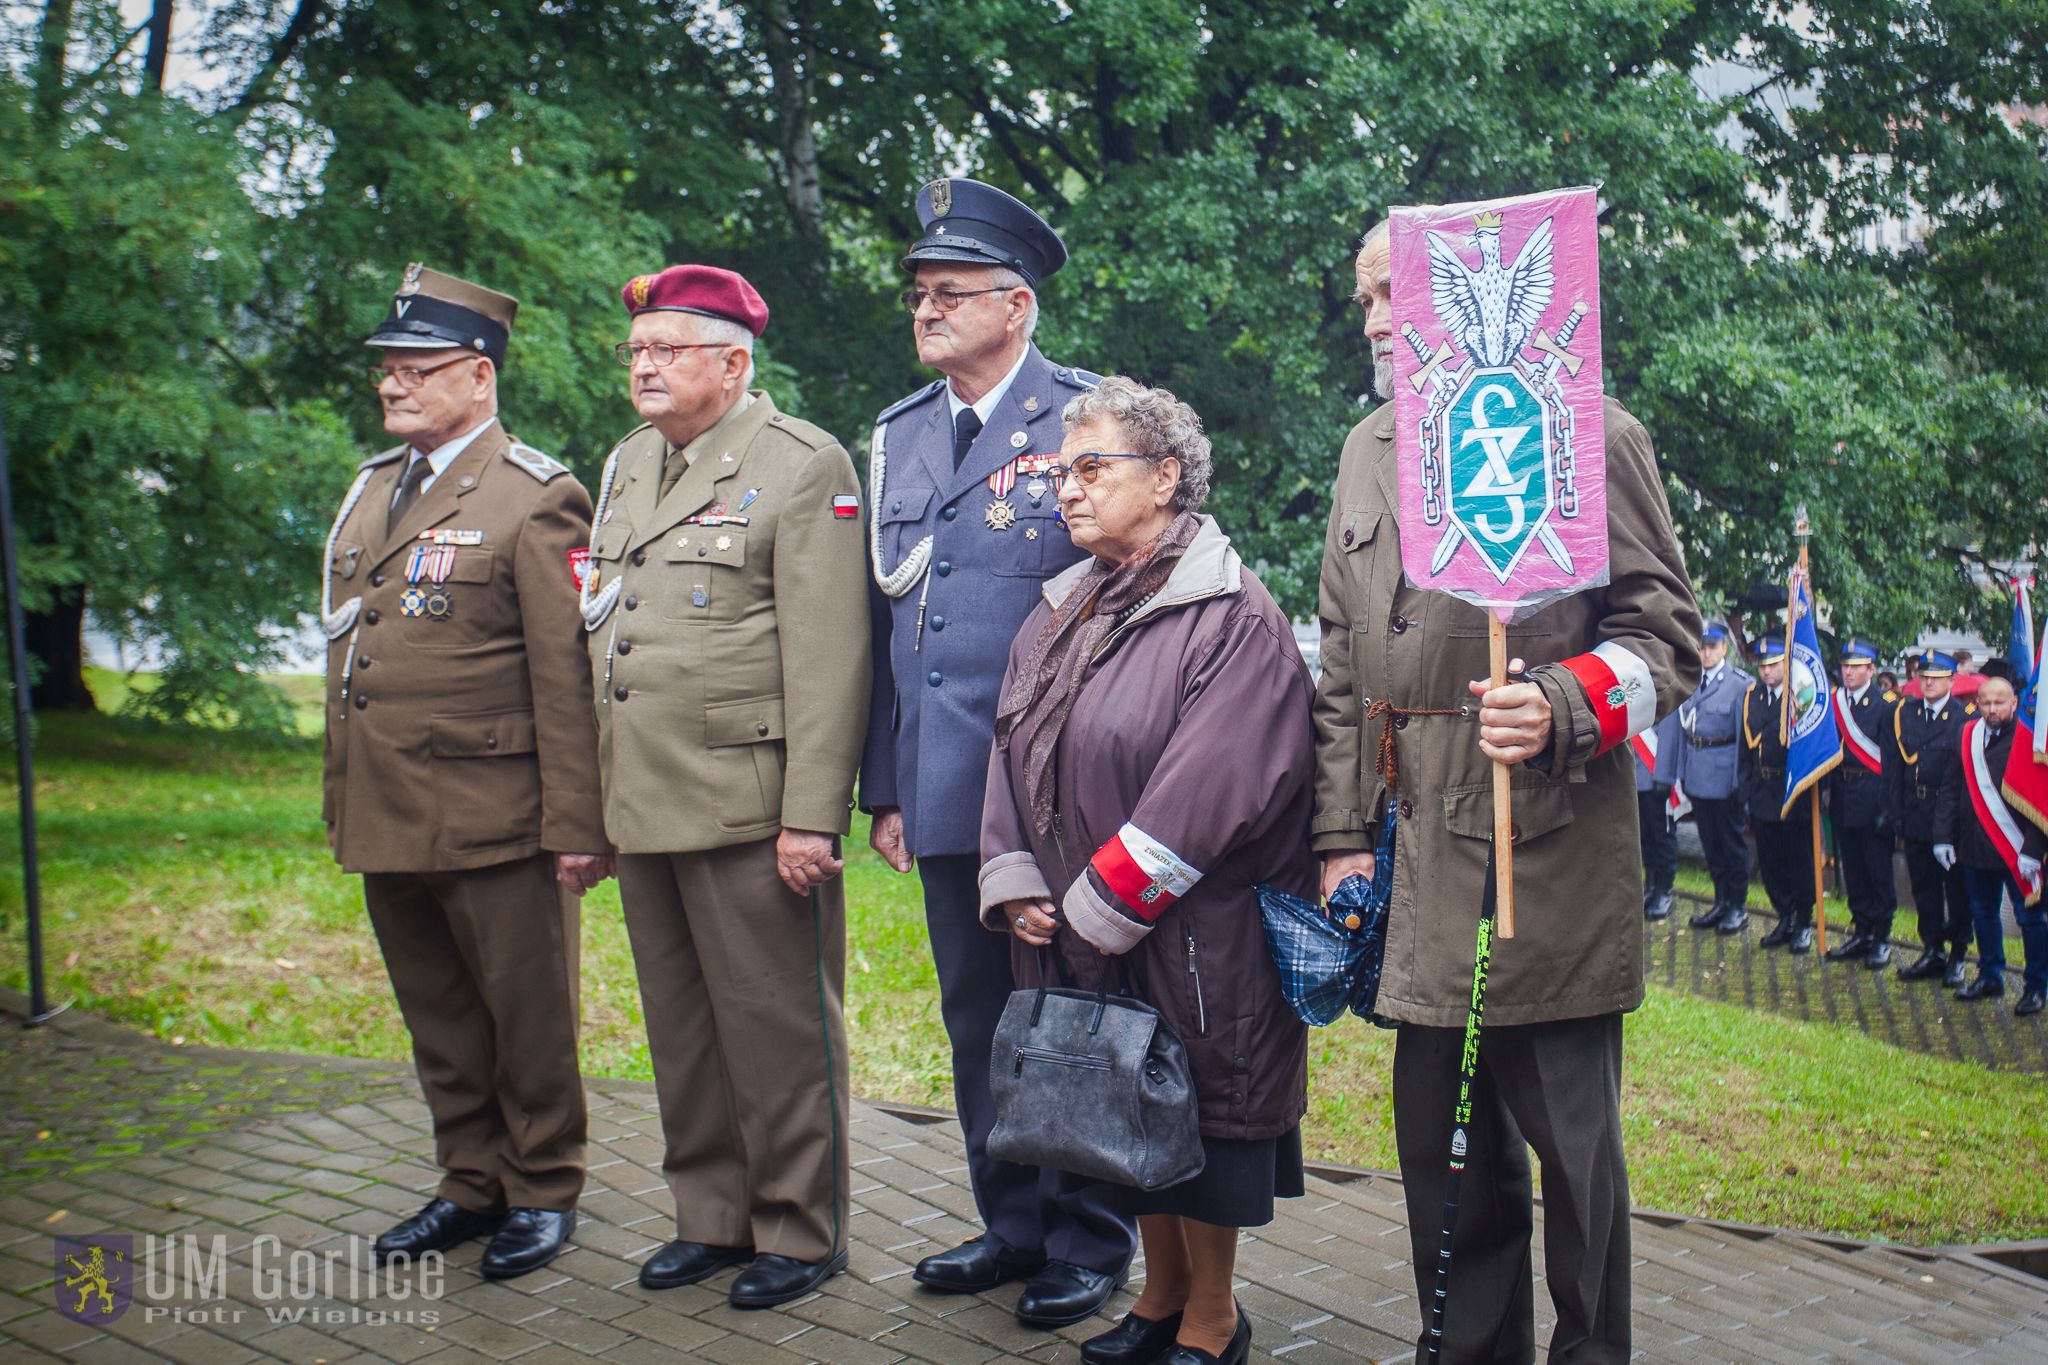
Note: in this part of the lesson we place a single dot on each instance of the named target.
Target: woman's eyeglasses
(1087, 468)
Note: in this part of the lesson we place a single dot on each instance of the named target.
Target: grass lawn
(189, 892)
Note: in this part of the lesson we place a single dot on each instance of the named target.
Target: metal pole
(24, 747)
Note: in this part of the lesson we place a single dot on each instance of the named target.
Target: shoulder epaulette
(1969, 708)
(1075, 377)
(903, 405)
(812, 435)
(542, 467)
(1891, 696)
(383, 457)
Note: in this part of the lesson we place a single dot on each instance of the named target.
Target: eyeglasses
(660, 352)
(945, 300)
(410, 377)
(1086, 469)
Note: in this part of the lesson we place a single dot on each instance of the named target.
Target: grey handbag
(1093, 1084)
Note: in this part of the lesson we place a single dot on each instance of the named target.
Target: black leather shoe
(1236, 1353)
(1660, 906)
(1953, 978)
(438, 1226)
(1779, 936)
(773, 1279)
(1880, 955)
(1981, 987)
(1802, 939)
(1134, 1341)
(2030, 1002)
(681, 1263)
(527, 1240)
(973, 1267)
(1930, 963)
(1733, 920)
(1857, 945)
(1707, 918)
(1062, 1293)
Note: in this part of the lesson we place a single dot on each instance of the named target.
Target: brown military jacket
(1577, 871)
(459, 732)
(728, 635)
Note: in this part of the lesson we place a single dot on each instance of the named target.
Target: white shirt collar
(985, 406)
(444, 454)
(1857, 695)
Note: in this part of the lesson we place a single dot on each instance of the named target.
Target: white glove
(2030, 870)
(1945, 854)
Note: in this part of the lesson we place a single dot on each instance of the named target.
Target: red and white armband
(1143, 873)
(1619, 689)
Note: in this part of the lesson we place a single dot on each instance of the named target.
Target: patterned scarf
(1061, 654)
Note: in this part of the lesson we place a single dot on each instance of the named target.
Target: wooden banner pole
(1503, 811)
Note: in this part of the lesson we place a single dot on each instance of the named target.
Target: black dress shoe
(681, 1263)
(973, 1267)
(1706, 918)
(1239, 1349)
(1134, 1341)
(1062, 1293)
(1660, 906)
(438, 1226)
(773, 1279)
(1857, 945)
(527, 1240)
(1802, 939)
(1779, 936)
(1732, 921)
(1953, 978)
(2030, 1002)
(1931, 962)
(1880, 955)
(1981, 988)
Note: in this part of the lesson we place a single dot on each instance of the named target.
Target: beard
(1383, 373)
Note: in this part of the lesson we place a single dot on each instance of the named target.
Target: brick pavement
(282, 1157)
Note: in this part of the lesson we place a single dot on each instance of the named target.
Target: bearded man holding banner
(1402, 724)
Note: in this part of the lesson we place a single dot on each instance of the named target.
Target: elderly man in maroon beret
(725, 603)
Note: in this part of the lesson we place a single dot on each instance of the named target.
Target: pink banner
(1497, 402)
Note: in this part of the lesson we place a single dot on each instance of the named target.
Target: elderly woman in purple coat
(1154, 763)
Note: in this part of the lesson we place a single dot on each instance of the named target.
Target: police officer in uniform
(1654, 781)
(1858, 809)
(965, 532)
(1926, 743)
(1784, 842)
(1710, 721)
(461, 769)
(728, 632)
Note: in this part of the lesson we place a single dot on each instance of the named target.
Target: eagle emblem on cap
(942, 198)
(410, 285)
(641, 284)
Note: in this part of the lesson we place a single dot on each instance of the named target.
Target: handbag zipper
(1201, 1010)
(1046, 1054)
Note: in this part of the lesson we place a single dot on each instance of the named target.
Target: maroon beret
(702, 289)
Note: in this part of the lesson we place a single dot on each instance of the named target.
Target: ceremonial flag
(2019, 649)
(2025, 780)
(1813, 745)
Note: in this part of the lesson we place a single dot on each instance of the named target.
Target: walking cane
(1468, 1065)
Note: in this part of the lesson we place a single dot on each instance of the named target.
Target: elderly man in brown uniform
(726, 601)
(1549, 1068)
(461, 768)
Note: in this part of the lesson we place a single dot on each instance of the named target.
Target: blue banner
(2019, 648)
(1814, 745)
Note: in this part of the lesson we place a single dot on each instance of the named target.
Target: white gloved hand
(2030, 870)
(1945, 854)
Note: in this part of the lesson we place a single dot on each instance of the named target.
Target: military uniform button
(761, 728)
(1350, 538)
(938, 623)
(703, 550)
(943, 567)
(373, 616)
(362, 661)
(1407, 808)
(1398, 624)
(619, 692)
(490, 741)
(639, 558)
(936, 678)
(632, 602)
(1400, 722)
(362, 701)
(376, 580)
(625, 646)
(950, 513)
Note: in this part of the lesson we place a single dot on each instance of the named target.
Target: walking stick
(1468, 1065)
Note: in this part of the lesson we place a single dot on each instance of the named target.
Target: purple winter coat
(1184, 778)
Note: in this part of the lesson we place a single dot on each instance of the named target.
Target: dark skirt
(1238, 1183)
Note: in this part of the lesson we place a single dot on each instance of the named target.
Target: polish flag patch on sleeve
(1143, 873)
(845, 506)
(1620, 689)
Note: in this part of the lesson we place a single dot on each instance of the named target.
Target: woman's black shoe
(1134, 1341)
(1236, 1353)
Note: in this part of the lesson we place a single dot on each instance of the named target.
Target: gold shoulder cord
(1749, 736)
(1899, 734)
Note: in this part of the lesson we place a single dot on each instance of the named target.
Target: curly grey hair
(1156, 424)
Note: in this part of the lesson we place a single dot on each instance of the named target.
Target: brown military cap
(436, 310)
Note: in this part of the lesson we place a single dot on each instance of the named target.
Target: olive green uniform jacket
(1578, 948)
(458, 731)
(728, 635)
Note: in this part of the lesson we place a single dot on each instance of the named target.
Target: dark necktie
(420, 471)
(966, 427)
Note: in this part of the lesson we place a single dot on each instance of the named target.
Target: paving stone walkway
(1919, 1015)
(285, 1166)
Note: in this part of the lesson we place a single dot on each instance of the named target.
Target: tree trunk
(790, 60)
(52, 41)
(159, 55)
(56, 640)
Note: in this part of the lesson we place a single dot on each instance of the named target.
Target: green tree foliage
(1212, 166)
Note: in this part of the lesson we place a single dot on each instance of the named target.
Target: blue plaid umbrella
(1330, 959)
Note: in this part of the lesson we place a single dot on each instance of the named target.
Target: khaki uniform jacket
(462, 739)
(1578, 890)
(731, 667)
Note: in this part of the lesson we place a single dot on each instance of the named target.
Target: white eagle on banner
(1491, 310)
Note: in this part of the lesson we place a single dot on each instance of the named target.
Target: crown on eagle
(1485, 220)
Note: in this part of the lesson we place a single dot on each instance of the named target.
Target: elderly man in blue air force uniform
(965, 532)
(1858, 810)
(1709, 767)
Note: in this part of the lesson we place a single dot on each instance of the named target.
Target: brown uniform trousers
(729, 656)
(460, 755)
